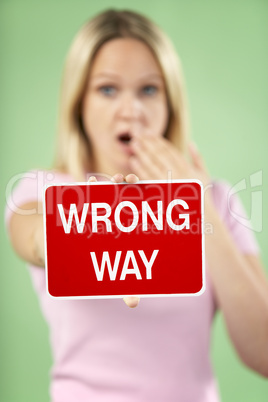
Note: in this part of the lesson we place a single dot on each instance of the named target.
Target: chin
(123, 167)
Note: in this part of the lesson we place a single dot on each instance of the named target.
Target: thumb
(131, 301)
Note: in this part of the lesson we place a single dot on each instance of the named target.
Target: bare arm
(239, 282)
(27, 234)
(241, 290)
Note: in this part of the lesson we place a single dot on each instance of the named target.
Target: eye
(149, 90)
(107, 90)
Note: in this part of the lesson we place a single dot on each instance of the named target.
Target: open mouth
(125, 138)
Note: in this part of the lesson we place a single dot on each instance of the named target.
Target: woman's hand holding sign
(130, 301)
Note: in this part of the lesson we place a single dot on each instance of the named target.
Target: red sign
(113, 240)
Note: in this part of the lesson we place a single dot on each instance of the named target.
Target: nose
(130, 107)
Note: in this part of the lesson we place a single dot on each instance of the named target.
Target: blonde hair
(73, 151)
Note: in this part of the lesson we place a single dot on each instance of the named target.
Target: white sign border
(100, 183)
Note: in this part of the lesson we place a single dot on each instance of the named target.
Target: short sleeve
(28, 187)
(234, 215)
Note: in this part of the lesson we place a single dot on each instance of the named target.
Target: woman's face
(125, 98)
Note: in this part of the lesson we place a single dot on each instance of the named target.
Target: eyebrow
(108, 74)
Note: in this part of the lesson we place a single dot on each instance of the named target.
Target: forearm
(37, 243)
(240, 294)
(27, 235)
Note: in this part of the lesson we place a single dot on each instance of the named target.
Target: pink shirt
(105, 352)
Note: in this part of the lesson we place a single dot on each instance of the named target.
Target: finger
(196, 157)
(143, 163)
(131, 301)
(158, 158)
(118, 178)
(149, 153)
(131, 178)
(164, 147)
(145, 168)
(136, 167)
(162, 151)
(92, 179)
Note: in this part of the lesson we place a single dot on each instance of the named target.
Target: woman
(123, 110)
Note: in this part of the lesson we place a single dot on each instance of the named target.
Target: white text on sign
(146, 210)
(126, 270)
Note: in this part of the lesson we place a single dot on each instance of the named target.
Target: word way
(130, 259)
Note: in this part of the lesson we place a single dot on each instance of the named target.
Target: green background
(223, 47)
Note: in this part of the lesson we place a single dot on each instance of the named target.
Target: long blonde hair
(73, 153)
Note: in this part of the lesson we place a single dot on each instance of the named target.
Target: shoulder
(226, 200)
(27, 187)
(220, 190)
(231, 210)
(36, 179)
